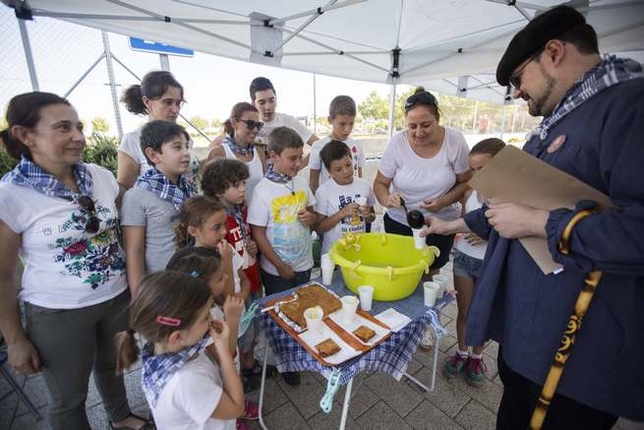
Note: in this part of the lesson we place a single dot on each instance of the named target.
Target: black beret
(534, 36)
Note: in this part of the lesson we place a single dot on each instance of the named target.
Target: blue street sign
(142, 45)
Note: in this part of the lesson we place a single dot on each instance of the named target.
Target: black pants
(443, 243)
(520, 396)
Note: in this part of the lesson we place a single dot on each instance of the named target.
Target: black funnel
(415, 218)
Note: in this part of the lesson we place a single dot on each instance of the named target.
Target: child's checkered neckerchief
(238, 149)
(158, 183)
(158, 369)
(280, 178)
(30, 175)
(237, 212)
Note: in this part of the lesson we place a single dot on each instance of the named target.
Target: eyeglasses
(93, 223)
(423, 98)
(250, 124)
(515, 79)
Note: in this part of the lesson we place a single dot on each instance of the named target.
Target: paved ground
(379, 401)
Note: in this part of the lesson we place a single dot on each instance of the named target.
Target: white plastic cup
(419, 242)
(328, 266)
(442, 282)
(349, 308)
(313, 317)
(361, 201)
(430, 290)
(366, 297)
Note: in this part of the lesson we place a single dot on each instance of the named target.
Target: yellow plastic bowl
(388, 262)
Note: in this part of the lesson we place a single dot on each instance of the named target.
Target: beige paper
(516, 176)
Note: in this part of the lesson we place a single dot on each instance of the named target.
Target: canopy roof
(417, 42)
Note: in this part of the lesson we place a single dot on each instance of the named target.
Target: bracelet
(564, 242)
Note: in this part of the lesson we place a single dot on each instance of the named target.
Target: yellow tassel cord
(569, 335)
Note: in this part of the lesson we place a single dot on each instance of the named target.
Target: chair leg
(18, 389)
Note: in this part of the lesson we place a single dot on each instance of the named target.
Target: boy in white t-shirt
(342, 114)
(345, 203)
(281, 216)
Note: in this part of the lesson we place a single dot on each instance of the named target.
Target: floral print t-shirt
(66, 267)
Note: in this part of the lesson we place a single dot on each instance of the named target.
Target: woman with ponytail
(160, 97)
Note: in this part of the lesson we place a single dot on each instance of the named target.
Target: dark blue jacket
(527, 311)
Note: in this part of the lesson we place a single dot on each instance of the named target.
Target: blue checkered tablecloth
(391, 356)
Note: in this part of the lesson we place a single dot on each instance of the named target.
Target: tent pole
(503, 118)
(165, 62)
(392, 106)
(26, 46)
(315, 114)
(84, 75)
(110, 74)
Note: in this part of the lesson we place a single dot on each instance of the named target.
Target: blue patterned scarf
(280, 178)
(610, 71)
(237, 213)
(158, 369)
(238, 149)
(30, 175)
(158, 183)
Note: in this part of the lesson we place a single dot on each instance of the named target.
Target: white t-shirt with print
(131, 145)
(65, 267)
(418, 179)
(331, 198)
(190, 397)
(315, 162)
(284, 120)
(275, 207)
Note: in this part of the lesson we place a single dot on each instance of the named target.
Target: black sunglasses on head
(424, 98)
(93, 223)
(250, 124)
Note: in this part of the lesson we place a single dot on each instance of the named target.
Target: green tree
(200, 122)
(215, 123)
(374, 107)
(100, 125)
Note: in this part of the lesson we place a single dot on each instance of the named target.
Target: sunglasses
(515, 79)
(424, 98)
(93, 223)
(250, 124)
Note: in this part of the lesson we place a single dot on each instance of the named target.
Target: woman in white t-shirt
(59, 215)
(241, 129)
(160, 97)
(427, 166)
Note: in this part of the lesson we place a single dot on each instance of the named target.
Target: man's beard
(536, 108)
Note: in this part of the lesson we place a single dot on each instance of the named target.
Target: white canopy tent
(450, 46)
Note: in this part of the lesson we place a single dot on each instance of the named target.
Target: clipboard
(515, 176)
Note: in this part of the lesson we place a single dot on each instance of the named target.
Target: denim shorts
(466, 266)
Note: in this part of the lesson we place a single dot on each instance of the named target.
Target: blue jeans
(466, 266)
(275, 284)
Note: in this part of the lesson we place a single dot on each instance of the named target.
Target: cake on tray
(308, 297)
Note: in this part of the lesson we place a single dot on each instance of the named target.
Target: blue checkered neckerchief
(610, 71)
(237, 213)
(158, 183)
(238, 149)
(274, 176)
(30, 175)
(158, 369)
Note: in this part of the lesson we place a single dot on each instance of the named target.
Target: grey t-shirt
(159, 217)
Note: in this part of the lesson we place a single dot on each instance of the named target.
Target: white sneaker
(428, 341)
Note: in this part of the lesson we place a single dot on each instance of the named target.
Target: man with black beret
(593, 129)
